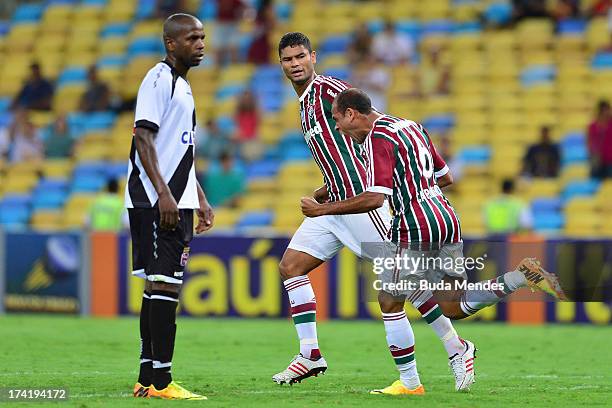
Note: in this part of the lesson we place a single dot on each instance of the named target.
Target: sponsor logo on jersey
(188, 137)
(316, 130)
(428, 193)
(331, 93)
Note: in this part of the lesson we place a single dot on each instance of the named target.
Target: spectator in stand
(97, 95)
(542, 159)
(391, 47)
(165, 8)
(600, 142)
(224, 185)
(529, 9)
(361, 45)
(265, 21)
(434, 77)
(565, 10)
(58, 139)
(25, 143)
(247, 119)
(107, 212)
(226, 35)
(373, 79)
(507, 214)
(600, 8)
(214, 141)
(36, 93)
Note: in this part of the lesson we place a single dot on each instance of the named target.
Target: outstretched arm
(361, 203)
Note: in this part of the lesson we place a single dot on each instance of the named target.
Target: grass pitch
(232, 361)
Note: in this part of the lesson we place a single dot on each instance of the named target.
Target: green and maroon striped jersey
(402, 162)
(336, 154)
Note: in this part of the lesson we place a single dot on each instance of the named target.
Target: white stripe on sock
(160, 297)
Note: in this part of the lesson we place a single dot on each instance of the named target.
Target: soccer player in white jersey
(402, 164)
(161, 195)
(319, 239)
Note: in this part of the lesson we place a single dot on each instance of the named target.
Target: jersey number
(425, 159)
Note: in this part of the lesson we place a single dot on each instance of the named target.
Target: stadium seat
(255, 219)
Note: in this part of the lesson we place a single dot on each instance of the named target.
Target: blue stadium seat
(283, 10)
(226, 124)
(16, 200)
(340, 73)
(476, 154)
(5, 27)
(267, 72)
(467, 27)
(574, 154)
(255, 219)
(28, 13)
(437, 27)
(439, 123)
(580, 188)
(571, 27)
(498, 13)
(16, 217)
(4, 104)
(88, 183)
(112, 61)
(116, 29)
(116, 170)
(262, 168)
(50, 199)
(145, 45)
(146, 8)
(81, 123)
(93, 168)
(602, 60)
(72, 74)
(334, 44)
(548, 221)
(208, 10)
(95, 2)
(537, 74)
(546, 205)
(5, 118)
(51, 184)
(230, 90)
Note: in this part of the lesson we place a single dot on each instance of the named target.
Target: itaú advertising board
(238, 276)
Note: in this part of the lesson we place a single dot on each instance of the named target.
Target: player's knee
(389, 304)
(288, 269)
(167, 287)
(452, 310)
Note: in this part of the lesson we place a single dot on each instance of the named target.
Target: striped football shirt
(402, 163)
(335, 154)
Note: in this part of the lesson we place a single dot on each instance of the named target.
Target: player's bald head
(179, 23)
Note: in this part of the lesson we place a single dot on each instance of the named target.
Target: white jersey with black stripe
(165, 105)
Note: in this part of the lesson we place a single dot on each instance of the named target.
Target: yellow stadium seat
(287, 221)
(582, 224)
(236, 73)
(79, 201)
(112, 46)
(541, 188)
(19, 183)
(367, 11)
(67, 97)
(225, 217)
(146, 29)
(597, 34)
(57, 168)
(41, 118)
(344, 25)
(573, 172)
(262, 186)
(254, 202)
(578, 206)
(46, 220)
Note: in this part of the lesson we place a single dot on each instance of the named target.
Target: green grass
(231, 361)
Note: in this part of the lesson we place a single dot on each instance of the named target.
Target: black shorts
(159, 254)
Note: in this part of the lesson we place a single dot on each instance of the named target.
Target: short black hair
(508, 186)
(112, 186)
(176, 23)
(294, 39)
(603, 104)
(353, 98)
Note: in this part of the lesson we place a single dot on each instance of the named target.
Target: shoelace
(456, 364)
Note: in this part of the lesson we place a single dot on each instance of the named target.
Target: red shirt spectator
(600, 142)
(247, 117)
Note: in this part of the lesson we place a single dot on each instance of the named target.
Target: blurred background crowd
(515, 94)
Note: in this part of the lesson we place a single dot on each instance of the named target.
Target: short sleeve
(153, 98)
(330, 87)
(380, 165)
